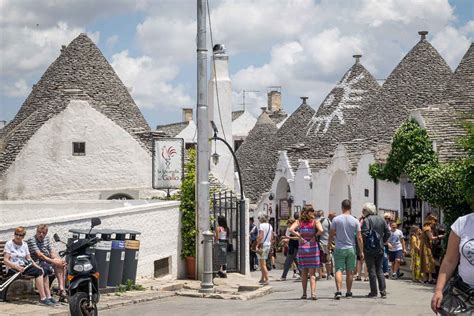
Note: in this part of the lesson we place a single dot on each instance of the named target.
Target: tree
(188, 207)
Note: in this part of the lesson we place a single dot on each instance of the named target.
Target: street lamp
(215, 160)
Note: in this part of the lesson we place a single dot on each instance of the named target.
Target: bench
(4, 286)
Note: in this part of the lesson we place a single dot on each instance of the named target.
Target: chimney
(187, 114)
(2, 124)
(264, 109)
(423, 35)
(304, 100)
(274, 99)
(357, 58)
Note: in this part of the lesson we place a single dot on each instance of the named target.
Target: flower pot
(190, 268)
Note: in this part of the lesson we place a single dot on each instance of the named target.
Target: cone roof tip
(423, 35)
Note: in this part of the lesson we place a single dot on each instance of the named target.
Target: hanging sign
(168, 160)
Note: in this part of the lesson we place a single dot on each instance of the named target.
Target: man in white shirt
(264, 242)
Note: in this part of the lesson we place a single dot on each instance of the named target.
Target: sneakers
(400, 274)
(349, 295)
(383, 294)
(370, 295)
(387, 275)
(281, 279)
(52, 300)
(46, 302)
(337, 295)
(394, 276)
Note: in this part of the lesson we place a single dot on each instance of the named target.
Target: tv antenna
(243, 95)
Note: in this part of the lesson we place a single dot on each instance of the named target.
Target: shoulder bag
(458, 298)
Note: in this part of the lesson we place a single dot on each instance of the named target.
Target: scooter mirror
(95, 221)
(56, 238)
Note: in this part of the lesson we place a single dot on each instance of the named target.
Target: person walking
(291, 256)
(264, 242)
(415, 233)
(375, 234)
(360, 265)
(427, 261)
(222, 239)
(344, 227)
(307, 229)
(396, 249)
(460, 255)
(253, 232)
(326, 267)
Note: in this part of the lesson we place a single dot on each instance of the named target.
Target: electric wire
(215, 72)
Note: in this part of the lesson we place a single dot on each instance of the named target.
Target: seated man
(42, 253)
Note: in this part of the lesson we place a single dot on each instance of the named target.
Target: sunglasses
(20, 235)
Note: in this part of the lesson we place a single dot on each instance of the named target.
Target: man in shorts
(345, 229)
(264, 243)
(43, 254)
(326, 264)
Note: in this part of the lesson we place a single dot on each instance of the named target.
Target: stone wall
(158, 222)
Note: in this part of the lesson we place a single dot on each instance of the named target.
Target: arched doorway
(120, 196)
(338, 190)
(282, 204)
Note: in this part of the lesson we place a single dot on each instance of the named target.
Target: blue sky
(304, 46)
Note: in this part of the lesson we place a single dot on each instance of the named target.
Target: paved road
(404, 299)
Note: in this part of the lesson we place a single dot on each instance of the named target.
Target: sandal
(303, 297)
(358, 278)
(313, 297)
(366, 279)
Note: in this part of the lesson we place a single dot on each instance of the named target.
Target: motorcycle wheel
(78, 305)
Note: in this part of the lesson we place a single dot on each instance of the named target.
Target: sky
(304, 46)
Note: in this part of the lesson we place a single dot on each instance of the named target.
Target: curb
(124, 302)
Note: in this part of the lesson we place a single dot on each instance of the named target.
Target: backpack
(372, 241)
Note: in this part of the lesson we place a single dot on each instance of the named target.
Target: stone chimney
(2, 124)
(264, 109)
(357, 58)
(274, 99)
(423, 35)
(304, 99)
(187, 114)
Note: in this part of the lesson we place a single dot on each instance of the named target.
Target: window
(366, 192)
(78, 148)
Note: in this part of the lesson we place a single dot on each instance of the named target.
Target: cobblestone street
(404, 298)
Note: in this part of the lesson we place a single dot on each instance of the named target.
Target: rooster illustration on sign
(167, 153)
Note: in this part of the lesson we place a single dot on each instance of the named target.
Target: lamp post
(215, 160)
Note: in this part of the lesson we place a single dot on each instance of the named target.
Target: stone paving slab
(235, 287)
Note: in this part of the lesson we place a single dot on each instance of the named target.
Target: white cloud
(18, 89)
(452, 45)
(112, 40)
(151, 83)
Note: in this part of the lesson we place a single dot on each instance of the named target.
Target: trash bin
(102, 250)
(132, 247)
(102, 256)
(117, 257)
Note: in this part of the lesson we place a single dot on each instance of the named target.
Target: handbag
(259, 250)
(458, 298)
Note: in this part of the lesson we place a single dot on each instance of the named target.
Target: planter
(190, 268)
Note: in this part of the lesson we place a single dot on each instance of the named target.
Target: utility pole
(202, 213)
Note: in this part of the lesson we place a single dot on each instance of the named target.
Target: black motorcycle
(82, 274)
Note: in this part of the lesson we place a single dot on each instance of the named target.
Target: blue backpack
(372, 242)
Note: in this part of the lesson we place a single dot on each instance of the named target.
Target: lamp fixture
(215, 158)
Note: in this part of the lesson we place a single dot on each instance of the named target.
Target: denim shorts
(266, 251)
(394, 255)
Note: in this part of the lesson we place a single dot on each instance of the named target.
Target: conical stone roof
(418, 80)
(256, 164)
(341, 116)
(292, 134)
(80, 72)
(460, 89)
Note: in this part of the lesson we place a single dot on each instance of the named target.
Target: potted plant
(188, 215)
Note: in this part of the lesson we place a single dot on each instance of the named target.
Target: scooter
(82, 274)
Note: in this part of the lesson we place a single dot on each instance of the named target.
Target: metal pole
(206, 284)
(203, 140)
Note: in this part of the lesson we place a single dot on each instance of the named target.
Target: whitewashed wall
(242, 125)
(361, 181)
(158, 222)
(388, 195)
(302, 189)
(46, 168)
